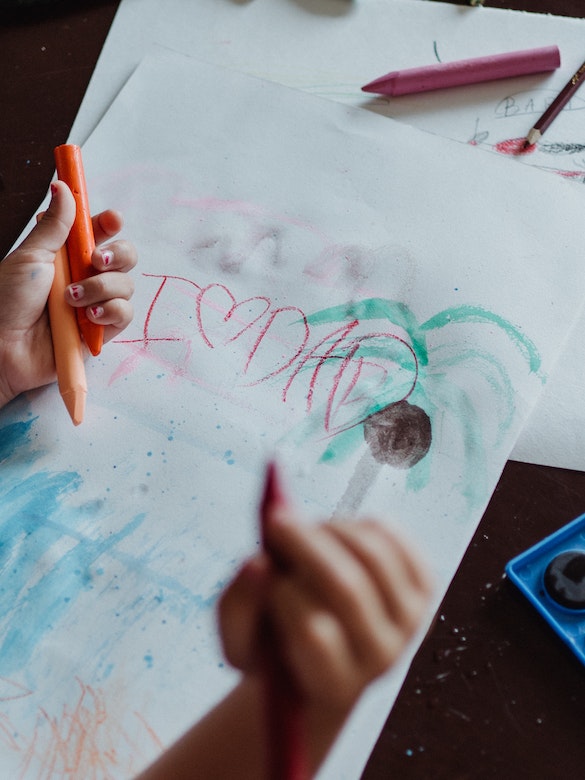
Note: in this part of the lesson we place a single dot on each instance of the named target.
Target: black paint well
(564, 579)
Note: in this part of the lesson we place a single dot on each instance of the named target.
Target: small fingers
(118, 255)
(106, 297)
(400, 578)
(106, 224)
(315, 646)
(100, 289)
(114, 315)
(366, 581)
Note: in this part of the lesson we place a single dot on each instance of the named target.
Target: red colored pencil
(81, 242)
(287, 759)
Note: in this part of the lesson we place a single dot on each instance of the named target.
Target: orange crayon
(66, 341)
(81, 242)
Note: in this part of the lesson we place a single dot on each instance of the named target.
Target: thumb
(49, 235)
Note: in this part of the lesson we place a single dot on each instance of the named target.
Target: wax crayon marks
(504, 131)
(55, 558)
(362, 365)
(263, 342)
(211, 315)
(515, 147)
(397, 420)
(30, 524)
(242, 316)
(11, 690)
(82, 739)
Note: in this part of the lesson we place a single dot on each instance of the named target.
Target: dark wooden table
(492, 691)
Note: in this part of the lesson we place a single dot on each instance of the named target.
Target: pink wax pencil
(455, 74)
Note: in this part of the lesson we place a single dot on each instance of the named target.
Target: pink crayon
(455, 74)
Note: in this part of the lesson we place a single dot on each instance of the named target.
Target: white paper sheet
(303, 265)
(332, 47)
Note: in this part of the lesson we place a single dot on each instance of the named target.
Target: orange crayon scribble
(7, 733)
(10, 690)
(81, 743)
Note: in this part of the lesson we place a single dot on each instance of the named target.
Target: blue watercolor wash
(108, 671)
(32, 521)
(228, 456)
(148, 660)
(27, 530)
(34, 518)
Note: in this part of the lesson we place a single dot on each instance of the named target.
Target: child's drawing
(343, 304)
(560, 151)
(365, 372)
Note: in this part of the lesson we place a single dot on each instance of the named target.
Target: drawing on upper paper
(560, 151)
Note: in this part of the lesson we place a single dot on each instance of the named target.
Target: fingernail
(76, 291)
(107, 257)
(97, 311)
(54, 189)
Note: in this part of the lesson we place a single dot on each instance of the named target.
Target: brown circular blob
(399, 435)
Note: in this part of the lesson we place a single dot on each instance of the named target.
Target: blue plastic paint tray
(552, 577)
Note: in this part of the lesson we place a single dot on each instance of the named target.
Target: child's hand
(344, 601)
(345, 604)
(26, 275)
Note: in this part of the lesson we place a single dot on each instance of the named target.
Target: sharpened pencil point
(532, 137)
(556, 106)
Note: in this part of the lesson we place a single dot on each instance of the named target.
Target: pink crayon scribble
(514, 146)
(275, 341)
(571, 174)
(232, 313)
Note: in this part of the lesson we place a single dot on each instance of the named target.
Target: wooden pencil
(555, 108)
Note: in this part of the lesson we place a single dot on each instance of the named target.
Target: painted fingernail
(97, 311)
(107, 256)
(54, 189)
(76, 291)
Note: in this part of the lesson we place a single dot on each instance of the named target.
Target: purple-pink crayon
(455, 74)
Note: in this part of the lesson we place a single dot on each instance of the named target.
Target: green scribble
(422, 375)
(459, 314)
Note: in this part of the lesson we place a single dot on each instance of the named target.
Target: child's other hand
(346, 603)
(26, 275)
